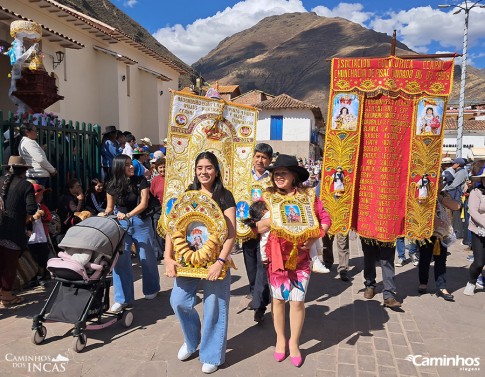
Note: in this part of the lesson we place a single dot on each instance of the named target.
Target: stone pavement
(343, 335)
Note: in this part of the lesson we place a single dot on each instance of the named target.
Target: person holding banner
(375, 250)
(211, 337)
(288, 249)
(258, 280)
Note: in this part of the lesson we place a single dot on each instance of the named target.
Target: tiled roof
(110, 34)
(284, 101)
(252, 91)
(468, 125)
(48, 33)
(227, 88)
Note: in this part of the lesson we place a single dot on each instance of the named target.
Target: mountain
(287, 54)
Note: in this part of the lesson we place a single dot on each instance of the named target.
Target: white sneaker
(117, 307)
(399, 262)
(319, 267)
(469, 289)
(209, 368)
(152, 296)
(184, 353)
(415, 259)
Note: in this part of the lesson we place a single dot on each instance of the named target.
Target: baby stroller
(81, 293)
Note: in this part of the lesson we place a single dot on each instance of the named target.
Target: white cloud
(130, 3)
(196, 40)
(419, 27)
(423, 29)
(349, 11)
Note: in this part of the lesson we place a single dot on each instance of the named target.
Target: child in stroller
(82, 275)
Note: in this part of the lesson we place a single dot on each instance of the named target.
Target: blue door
(276, 128)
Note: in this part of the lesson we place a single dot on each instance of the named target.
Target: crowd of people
(278, 266)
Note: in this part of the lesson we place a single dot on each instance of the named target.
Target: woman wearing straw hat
(288, 248)
(476, 209)
(17, 195)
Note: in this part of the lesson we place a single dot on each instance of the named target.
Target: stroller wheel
(79, 342)
(38, 335)
(127, 318)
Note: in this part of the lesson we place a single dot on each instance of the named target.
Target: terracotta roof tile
(284, 101)
(67, 43)
(227, 88)
(468, 125)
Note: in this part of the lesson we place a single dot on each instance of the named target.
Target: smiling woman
(212, 336)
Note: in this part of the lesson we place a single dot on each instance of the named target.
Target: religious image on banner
(198, 124)
(345, 112)
(430, 116)
(382, 153)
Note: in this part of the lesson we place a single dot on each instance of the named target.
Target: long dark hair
(9, 175)
(217, 186)
(119, 183)
(92, 188)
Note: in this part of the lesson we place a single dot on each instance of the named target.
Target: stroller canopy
(98, 234)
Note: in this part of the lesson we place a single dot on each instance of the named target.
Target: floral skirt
(290, 285)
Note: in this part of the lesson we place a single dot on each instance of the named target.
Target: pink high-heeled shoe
(279, 356)
(296, 361)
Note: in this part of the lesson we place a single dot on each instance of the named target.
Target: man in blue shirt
(139, 158)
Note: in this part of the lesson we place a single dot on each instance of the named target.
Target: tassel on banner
(290, 263)
(437, 247)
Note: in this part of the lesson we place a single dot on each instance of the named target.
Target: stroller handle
(115, 218)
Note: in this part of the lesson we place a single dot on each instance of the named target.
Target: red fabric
(46, 218)
(157, 186)
(380, 208)
(278, 251)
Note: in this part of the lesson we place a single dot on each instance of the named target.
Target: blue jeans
(216, 310)
(401, 248)
(141, 234)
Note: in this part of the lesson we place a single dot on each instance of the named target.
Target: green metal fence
(71, 147)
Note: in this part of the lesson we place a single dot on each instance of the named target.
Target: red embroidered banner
(383, 146)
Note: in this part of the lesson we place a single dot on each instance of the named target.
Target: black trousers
(425, 256)
(478, 247)
(40, 252)
(257, 275)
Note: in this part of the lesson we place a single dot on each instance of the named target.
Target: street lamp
(467, 6)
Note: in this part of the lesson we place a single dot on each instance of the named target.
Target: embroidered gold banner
(383, 146)
(198, 124)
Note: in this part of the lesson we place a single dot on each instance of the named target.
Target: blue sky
(191, 28)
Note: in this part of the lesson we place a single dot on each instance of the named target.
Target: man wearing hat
(17, 195)
(109, 149)
(455, 189)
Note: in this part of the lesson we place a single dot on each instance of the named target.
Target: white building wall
(91, 83)
(297, 124)
(473, 140)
